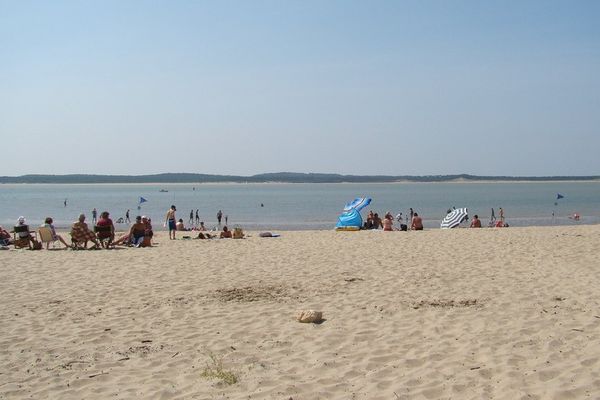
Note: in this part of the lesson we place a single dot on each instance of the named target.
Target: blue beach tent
(350, 220)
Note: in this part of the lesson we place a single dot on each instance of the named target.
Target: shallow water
(303, 206)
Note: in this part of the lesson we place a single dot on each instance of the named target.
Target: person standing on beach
(191, 221)
(219, 217)
(170, 221)
(127, 220)
(226, 219)
(94, 216)
(197, 217)
(412, 214)
(501, 211)
(493, 217)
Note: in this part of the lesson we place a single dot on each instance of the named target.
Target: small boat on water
(163, 190)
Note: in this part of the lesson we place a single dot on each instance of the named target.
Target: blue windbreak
(350, 218)
(358, 204)
(351, 215)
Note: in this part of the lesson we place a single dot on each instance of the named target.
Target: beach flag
(559, 196)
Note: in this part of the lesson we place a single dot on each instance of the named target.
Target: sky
(351, 87)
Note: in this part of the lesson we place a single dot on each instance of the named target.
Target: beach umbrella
(454, 218)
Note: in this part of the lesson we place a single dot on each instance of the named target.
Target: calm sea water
(303, 206)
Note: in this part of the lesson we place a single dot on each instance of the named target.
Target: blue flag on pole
(559, 196)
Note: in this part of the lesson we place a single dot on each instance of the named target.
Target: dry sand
(462, 314)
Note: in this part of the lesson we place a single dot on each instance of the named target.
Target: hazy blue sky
(244, 87)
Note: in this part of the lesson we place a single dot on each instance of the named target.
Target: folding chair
(104, 235)
(46, 236)
(20, 242)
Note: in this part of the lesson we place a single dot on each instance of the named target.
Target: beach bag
(403, 227)
(238, 233)
(37, 245)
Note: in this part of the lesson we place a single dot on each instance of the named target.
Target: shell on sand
(309, 316)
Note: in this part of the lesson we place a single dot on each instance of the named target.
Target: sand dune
(464, 314)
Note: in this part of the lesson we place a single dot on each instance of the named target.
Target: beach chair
(46, 237)
(20, 242)
(78, 239)
(104, 235)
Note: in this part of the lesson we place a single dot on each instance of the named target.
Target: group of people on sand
(174, 225)
(102, 236)
(139, 235)
(387, 223)
(415, 222)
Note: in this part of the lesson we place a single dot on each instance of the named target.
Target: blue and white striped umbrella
(454, 218)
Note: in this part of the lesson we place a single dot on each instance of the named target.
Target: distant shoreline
(458, 182)
(280, 177)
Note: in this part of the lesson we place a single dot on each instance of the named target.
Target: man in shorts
(171, 222)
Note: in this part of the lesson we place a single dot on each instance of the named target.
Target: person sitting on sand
(501, 224)
(202, 228)
(476, 223)
(80, 233)
(180, 226)
(387, 223)
(376, 222)
(148, 233)
(137, 232)
(226, 234)
(105, 221)
(417, 223)
(5, 238)
(48, 224)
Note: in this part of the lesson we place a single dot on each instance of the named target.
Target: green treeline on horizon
(284, 177)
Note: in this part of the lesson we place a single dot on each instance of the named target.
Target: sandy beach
(439, 314)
